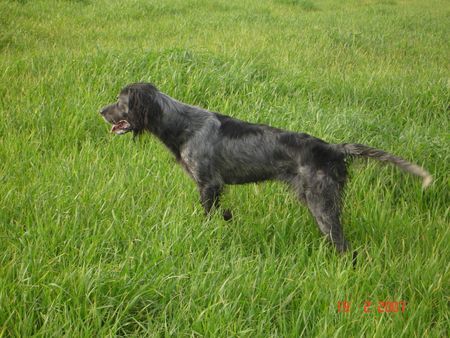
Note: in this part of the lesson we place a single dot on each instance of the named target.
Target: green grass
(100, 235)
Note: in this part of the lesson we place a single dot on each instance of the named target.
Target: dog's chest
(188, 163)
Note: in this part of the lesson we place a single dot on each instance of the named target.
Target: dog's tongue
(121, 127)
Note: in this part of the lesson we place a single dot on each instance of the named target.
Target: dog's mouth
(121, 127)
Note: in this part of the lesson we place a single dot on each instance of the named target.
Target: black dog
(216, 150)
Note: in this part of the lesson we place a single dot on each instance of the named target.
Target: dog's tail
(354, 149)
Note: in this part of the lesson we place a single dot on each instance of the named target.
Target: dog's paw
(227, 215)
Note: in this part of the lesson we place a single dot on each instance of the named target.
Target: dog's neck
(179, 122)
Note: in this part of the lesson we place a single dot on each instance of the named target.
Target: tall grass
(100, 235)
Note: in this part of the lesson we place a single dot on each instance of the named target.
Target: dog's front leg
(210, 198)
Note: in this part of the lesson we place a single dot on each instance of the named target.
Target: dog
(216, 150)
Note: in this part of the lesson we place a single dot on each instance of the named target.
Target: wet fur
(217, 150)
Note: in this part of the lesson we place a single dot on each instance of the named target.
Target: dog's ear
(125, 100)
(145, 112)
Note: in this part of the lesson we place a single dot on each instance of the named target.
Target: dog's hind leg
(327, 218)
(323, 197)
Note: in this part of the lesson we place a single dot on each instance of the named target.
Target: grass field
(103, 236)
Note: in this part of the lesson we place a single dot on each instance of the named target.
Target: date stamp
(373, 307)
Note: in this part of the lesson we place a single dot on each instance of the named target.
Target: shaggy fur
(217, 150)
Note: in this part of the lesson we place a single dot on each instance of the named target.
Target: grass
(103, 236)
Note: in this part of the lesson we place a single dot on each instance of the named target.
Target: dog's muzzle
(121, 127)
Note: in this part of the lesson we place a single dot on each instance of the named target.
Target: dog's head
(136, 110)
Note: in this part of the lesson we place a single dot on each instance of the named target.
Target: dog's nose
(102, 111)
